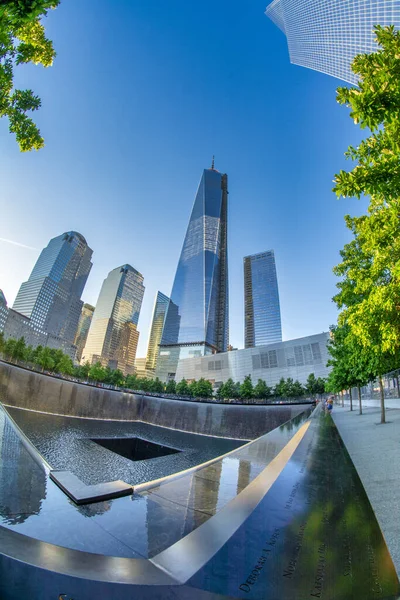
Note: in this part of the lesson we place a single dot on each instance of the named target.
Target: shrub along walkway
(375, 452)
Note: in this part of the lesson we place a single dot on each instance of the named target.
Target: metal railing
(371, 391)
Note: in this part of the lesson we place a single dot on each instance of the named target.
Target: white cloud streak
(17, 244)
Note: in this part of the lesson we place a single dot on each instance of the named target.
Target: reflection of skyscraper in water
(23, 485)
(197, 319)
(204, 494)
(243, 475)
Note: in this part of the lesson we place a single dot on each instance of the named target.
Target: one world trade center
(197, 322)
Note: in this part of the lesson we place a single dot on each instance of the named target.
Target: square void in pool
(134, 448)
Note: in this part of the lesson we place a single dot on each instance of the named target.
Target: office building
(327, 35)
(141, 370)
(83, 329)
(113, 337)
(293, 358)
(14, 325)
(157, 326)
(262, 313)
(51, 298)
(197, 318)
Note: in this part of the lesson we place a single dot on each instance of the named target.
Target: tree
(36, 353)
(246, 389)
(182, 388)
(108, 372)
(157, 386)
(65, 365)
(321, 383)
(44, 359)
(14, 350)
(97, 372)
(369, 293)
(290, 390)
(143, 384)
(131, 382)
(117, 378)
(311, 385)
(2, 341)
(227, 390)
(29, 354)
(22, 40)
(84, 370)
(262, 390)
(236, 390)
(170, 388)
(297, 390)
(281, 389)
(193, 389)
(204, 388)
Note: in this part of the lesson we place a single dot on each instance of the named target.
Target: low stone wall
(26, 389)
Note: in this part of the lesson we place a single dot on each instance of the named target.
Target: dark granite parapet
(26, 389)
(81, 493)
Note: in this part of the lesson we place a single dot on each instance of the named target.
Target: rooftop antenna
(212, 164)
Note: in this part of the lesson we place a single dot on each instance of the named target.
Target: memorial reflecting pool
(284, 516)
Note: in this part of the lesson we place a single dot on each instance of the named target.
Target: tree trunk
(383, 419)
(398, 388)
(359, 398)
(351, 399)
(342, 394)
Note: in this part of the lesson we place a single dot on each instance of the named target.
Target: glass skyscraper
(325, 35)
(113, 336)
(157, 326)
(262, 313)
(197, 319)
(51, 298)
(83, 329)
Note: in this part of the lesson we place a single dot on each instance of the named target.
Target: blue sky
(140, 97)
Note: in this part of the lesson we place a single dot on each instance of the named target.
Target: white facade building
(325, 35)
(294, 358)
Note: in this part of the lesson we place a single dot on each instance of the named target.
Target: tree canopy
(369, 293)
(369, 290)
(23, 40)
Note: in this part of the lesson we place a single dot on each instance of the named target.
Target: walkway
(375, 452)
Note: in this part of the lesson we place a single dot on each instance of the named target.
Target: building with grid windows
(14, 325)
(327, 35)
(293, 358)
(157, 326)
(51, 298)
(113, 337)
(262, 313)
(197, 323)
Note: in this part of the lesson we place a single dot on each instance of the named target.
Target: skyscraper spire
(212, 163)
(197, 322)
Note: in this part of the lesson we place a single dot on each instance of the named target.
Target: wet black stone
(135, 448)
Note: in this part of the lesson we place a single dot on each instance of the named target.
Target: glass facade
(327, 35)
(262, 313)
(83, 329)
(51, 298)
(113, 336)
(3, 311)
(157, 326)
(197, 318)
